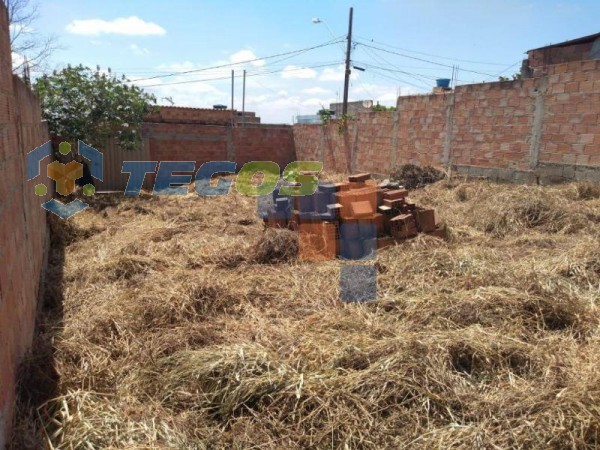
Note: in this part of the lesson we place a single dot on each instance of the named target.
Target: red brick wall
(522, 126)
(307, 139)
(23, 235)
(263, 143)
(170, 114)
(538, 59)
(492, 124)
(372, 150)
(421, 129)
(203, 143)
(186, 142)
(571, 125)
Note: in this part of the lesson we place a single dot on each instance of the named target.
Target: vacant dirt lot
(181, 323)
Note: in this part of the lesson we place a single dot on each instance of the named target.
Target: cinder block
(408, 207)
(369, 193)
(425, 219)
(359, 177)
(356, 185)
(345, 199)
(320, 201)
(330, 188)
(394, 204)
(303, 203)
(343, 186)
(403, 226)
(362, 209)
(349, 230)
(334, 209)
(282, 203)
(351, 249)
(367, 229)
(395, 194)
(379, 224)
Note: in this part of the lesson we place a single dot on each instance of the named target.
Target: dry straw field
(179, 322)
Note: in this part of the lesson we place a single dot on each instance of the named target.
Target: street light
(348, 50)
(317, 20)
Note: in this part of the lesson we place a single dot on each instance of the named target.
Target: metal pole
(347, 77)
(232, 86)
(244, 100)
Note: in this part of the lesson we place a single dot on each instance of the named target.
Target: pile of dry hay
(179, 323)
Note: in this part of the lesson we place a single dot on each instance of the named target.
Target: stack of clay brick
(351, 219)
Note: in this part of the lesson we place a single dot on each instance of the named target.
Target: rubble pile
(350, 219)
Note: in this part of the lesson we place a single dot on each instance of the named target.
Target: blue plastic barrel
(443, 82)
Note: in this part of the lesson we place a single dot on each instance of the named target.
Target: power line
(432, 55)
(247, 75)
(411, 74)
(240, 62)
(422, 60)
(395, 78)
(227, 73)
(380, 58)
(508, 68)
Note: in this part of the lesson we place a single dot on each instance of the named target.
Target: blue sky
(153, 38)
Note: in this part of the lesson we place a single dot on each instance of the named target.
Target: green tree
(325, 115)
(80, 103)
(379, 107)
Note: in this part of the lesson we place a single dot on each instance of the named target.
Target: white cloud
(129, 26)
(246, 55)
(318, 102)
(316, 91)
(137, 50)
(330, 74)
(292, 71)
(336, 74)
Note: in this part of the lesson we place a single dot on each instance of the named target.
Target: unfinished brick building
(581, 49)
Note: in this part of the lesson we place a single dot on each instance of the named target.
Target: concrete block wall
(23, 230)
(179, 140)
(539, 129)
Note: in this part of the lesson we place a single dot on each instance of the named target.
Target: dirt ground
(178, 322)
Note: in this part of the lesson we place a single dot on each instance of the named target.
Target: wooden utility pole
(232, 87)
(244, 100)
(347, 76)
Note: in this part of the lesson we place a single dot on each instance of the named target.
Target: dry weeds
(181, 323)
